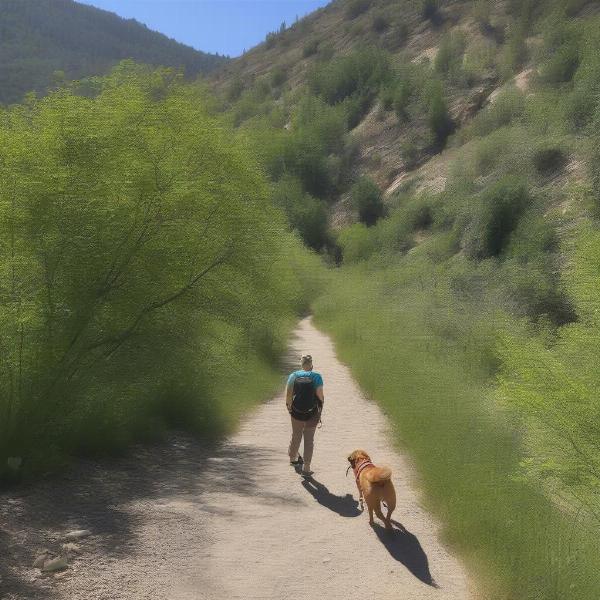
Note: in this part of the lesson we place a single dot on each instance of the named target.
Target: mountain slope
(40, 37)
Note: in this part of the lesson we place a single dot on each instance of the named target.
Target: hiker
(304, 399)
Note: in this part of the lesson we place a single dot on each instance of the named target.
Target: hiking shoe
(298, 462)
(306, 474)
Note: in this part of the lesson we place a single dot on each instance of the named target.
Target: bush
(507, 107)
(310, 48)
(448, 60)
(380, 22)
(271, 40)
(402, 97)
(152, 215)
(440, 122)
(357, 8)
(549, 159)
(306, 214)
(514, 53)
(429, 9)
(367, 199)
(495, 214)
(357, 243)
(279, 75)
(561, 67)
(362, 71)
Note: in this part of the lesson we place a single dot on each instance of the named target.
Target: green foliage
(556, 386)
(367, 199)
(357, 243)
(359, 73)
(449, 58)
(440, 122)
(39, 38)
(307, 215)
(380, 22)
(506, 109)
(549, 158)
(514, 53)
(425, 357)
(492, 218)
(278, 76)
(430, 9)
(144, 266)
(310, 48)
(357, 7)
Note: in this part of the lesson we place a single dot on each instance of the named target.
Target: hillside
(41, 37)
(470, 51)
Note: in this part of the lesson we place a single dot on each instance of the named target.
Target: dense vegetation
(44, 42)
(470, 313)
(144, 274)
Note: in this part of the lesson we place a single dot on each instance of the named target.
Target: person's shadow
(345, 506)
(404, 547)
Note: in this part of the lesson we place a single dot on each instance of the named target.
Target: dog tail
(379, 474)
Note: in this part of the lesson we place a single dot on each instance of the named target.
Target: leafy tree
(139, 251)
(440, 122)
(367, 199)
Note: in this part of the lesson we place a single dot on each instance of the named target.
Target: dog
(374, 485)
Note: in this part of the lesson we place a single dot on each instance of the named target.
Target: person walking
(304, 400)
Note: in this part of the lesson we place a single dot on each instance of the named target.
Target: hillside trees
(141, 265)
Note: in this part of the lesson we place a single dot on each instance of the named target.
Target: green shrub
(507, 108)
(494, 215)
(380, 22)
(357, 243)
(368, 200)
(448, 60)
(514, 53)
(402, 98)
(549, 158)
(440, 122)
(310, 48)
(279, 75)
(360, 72)
(561, 67)
(357, 7)
(430, 9)
(271, 40)
(306, 214)
(235, 89)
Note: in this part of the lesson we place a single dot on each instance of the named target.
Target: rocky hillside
(41, 37)
(412, 75)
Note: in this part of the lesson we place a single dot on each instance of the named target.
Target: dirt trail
(182, 522)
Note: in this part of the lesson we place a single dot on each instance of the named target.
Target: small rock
(71, 548)
(38, 563)
(78, 534)
(326, 560)
(56, 564)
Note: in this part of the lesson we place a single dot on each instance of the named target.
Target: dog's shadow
(404, 547)
(345, 506)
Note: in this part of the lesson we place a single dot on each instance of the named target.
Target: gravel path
(187, 522)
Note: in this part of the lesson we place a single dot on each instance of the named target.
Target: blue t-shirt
(316, 377)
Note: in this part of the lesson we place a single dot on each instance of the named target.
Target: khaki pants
(307, 430)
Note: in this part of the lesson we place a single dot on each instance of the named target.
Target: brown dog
(374, 485)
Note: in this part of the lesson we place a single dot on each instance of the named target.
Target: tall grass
(427, 359)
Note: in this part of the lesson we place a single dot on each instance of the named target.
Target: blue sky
(223, 26)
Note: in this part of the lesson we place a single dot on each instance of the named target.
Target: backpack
(304, 399)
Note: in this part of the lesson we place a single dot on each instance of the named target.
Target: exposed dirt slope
(185, 522)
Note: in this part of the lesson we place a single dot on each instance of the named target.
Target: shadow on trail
(404, 547)
(345, 506)
(110, 498)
